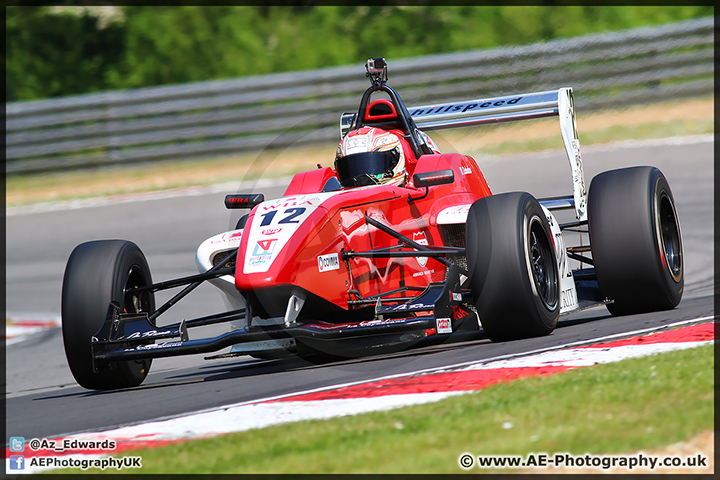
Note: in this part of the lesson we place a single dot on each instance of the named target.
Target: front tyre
(97, 273)
(513, 269)
(636, 241)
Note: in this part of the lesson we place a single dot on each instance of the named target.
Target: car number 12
(292, 214)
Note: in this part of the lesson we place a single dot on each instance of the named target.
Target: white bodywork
(568, 292)
(568, 129)
(273, 226)
(457, 214)
(221, 245)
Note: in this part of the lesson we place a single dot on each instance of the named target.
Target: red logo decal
(459, 312)
(265, 244)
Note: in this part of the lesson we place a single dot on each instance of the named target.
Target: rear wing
(505, 109)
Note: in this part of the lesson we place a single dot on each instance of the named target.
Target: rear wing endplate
(505, 109)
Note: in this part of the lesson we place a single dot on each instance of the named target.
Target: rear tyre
(513, 268)
(97, 273)
(636, 240)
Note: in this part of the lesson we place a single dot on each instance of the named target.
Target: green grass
(644, 403)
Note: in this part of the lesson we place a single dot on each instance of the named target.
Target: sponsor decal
(278, 219)
(459, 312)
(465, 170)
(149, 333)
(463, 209)
(579, 178)
(153, 346)
(226, 237)
(421, 239)
(389, 321)
(328, 262)
(377, 215)
(407, 306)
(433, 178)
(243, 200)
(299, 201)
(397, 308)
(444, 325)
(462, 107)
(457, 297)
(568, 298)
(254, 261)
(350, 326)
(426, 272)
(264, 247)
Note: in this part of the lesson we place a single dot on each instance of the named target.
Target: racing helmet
(370, 156)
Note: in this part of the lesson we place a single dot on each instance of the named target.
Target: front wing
(440, 310)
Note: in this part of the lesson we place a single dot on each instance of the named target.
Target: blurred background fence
(210, 118)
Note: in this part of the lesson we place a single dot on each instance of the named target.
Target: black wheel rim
(542, 265)
(136, 302)
(670, 237)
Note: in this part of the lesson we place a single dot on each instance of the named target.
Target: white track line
(19, 327)
(262, 413)
(586, 357)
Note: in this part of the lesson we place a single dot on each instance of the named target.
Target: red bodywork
(338, 224)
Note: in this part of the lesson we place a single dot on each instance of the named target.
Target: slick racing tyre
(513, 269)
(97, 273)
(635, 240)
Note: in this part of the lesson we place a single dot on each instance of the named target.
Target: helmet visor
(353, 170)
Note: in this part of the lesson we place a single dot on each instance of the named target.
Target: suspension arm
(410, 243)
(215, 271)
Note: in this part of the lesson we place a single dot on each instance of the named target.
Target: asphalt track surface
(43, 400)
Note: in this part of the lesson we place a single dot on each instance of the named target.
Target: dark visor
(358, 165)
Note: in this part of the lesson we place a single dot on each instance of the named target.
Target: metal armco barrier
(210, 118)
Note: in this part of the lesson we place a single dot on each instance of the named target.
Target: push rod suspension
(211, 319)
(214, 271)
(400, 254)
(410, 243)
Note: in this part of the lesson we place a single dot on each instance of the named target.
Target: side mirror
(247, 200)
(428, 179)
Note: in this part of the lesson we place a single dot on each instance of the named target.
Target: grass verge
(621, 407)
(658, 120)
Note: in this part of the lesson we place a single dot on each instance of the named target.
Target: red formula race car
(397, 246)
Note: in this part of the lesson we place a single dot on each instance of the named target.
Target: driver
(371, 156)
